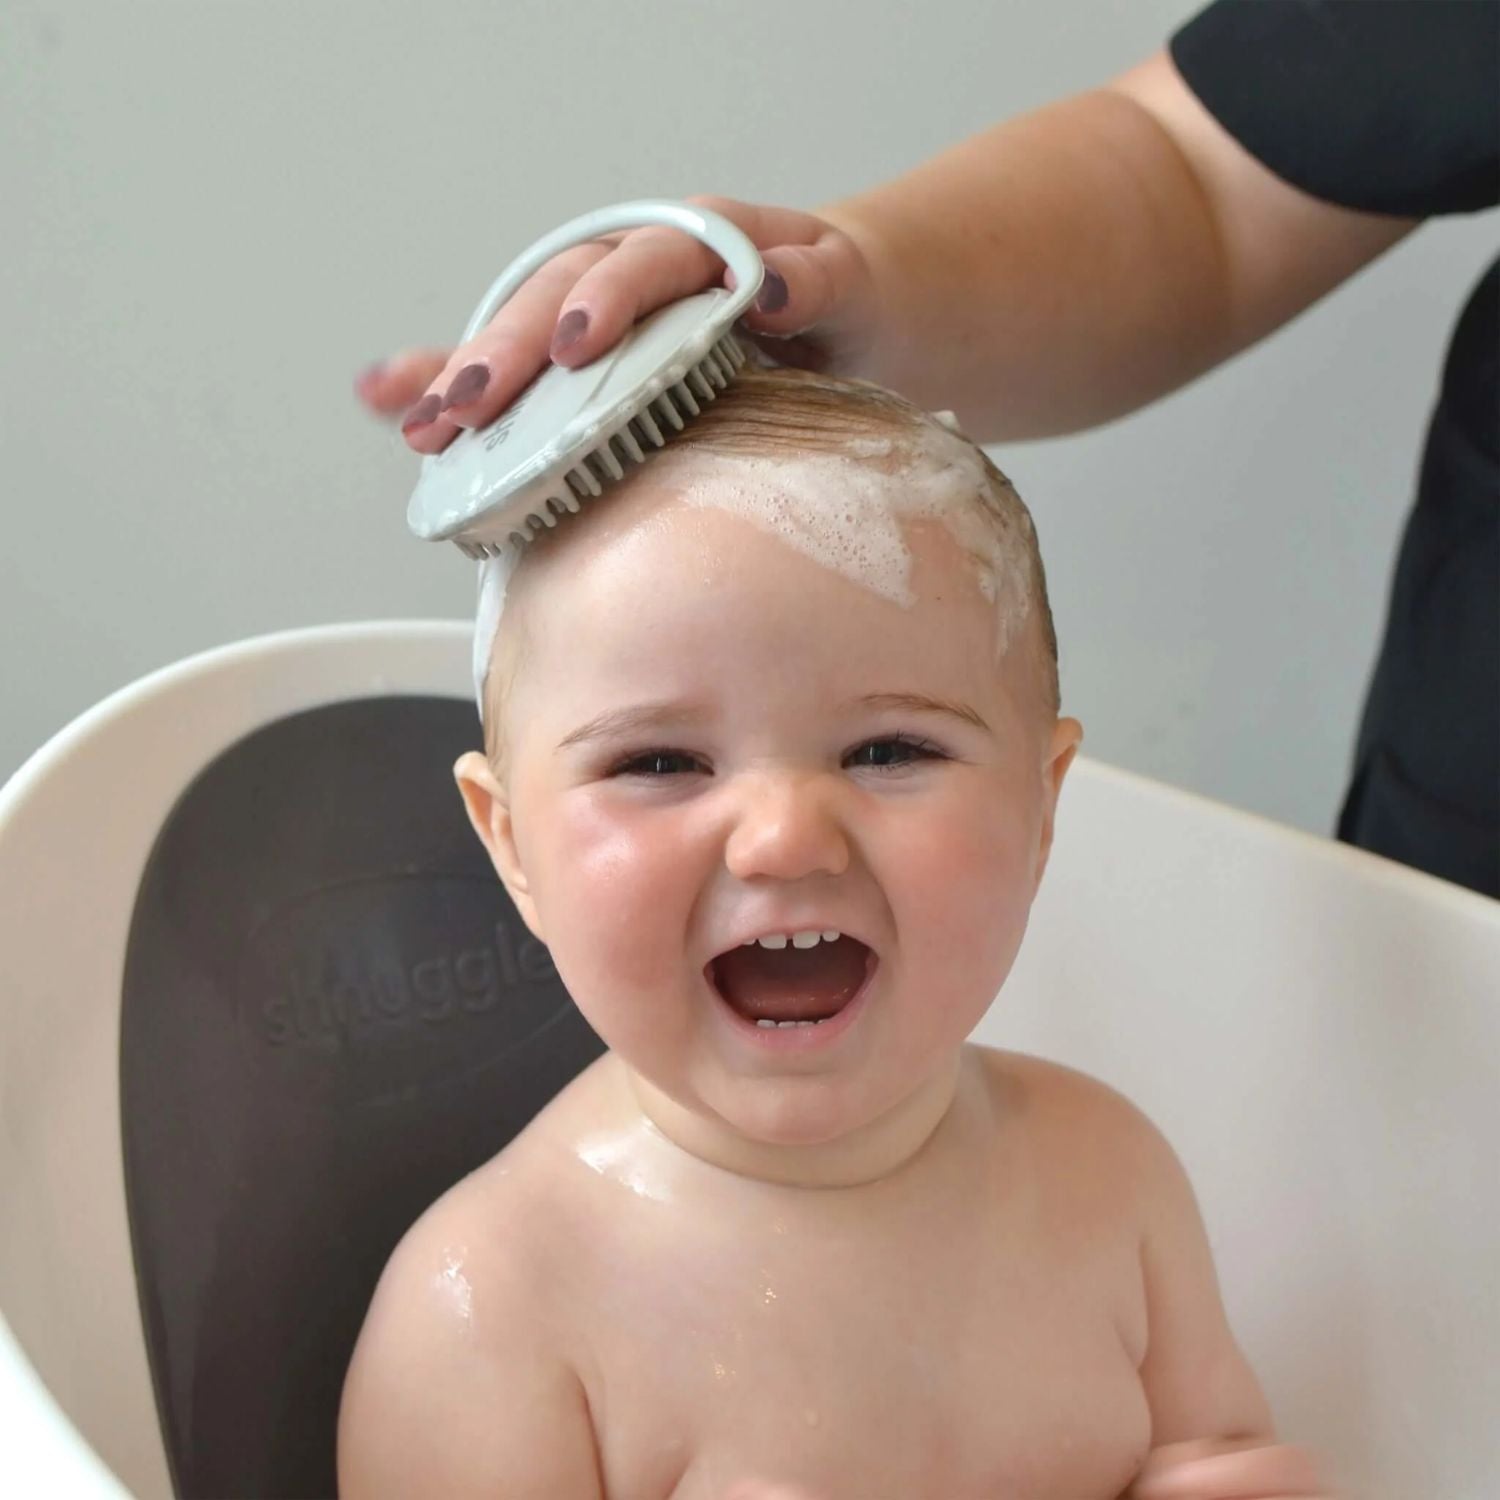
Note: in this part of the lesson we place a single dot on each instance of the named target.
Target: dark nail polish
(370, 372)
(772, 296)
(422, 413)
(570, 328)
(468, 385)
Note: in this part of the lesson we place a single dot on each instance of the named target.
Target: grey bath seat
(331, 1013)
(327, 1013)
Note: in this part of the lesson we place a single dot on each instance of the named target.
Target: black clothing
(1393, 106)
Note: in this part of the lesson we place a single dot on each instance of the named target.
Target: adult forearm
(1053, 272)
(1072, 264)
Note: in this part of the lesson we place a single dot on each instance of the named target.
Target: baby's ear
(1067, 735)
(488, 805)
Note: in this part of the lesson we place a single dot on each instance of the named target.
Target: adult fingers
(480, 378)
(821, 291)
(390, 385)
(815, 311)
(814, 276)
(650, 268)
(816, 294)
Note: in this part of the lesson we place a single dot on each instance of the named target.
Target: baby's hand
(1228, 1471)
(760, 1489)
(579, 304)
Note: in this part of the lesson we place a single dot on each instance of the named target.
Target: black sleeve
(1392, 106)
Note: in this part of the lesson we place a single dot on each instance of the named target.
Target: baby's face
(713, 739)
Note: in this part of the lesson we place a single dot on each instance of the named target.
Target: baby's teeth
(768, 1023)
(809, 939)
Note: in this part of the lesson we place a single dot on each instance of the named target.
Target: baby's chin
(791, 1111)
(730, 1118)
(824, 1121)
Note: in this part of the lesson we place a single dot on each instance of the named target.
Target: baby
(772, 754)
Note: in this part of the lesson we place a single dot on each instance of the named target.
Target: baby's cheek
(970, 868)
(613, 880)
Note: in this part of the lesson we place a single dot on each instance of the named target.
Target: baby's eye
(656, 763)
(892, 750)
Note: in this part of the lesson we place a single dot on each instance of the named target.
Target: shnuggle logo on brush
(498, 430)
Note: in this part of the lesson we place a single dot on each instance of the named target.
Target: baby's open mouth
(800, 982)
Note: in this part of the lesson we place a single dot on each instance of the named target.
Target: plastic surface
(1317, 1032)
(326, 979)
(1315, 1029)
(489, 481)
(41, 1452)
(77, 823)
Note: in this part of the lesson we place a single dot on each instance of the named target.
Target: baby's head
(795, 675)
(838, 469)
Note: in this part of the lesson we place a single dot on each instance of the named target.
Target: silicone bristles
(645, 430)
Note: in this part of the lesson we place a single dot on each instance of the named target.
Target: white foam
(845, 510)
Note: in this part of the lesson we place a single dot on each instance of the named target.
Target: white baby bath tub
(1317, 1030)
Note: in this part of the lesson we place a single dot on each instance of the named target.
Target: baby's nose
(786, 828)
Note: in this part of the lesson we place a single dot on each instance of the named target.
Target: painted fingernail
(422, 413)
(467, 386)
(570, 328)
(370, 372)
(772, 296)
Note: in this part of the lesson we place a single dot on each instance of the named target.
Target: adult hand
(1228, 1471)
(814, 310)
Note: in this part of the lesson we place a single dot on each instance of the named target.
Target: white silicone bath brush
(573, 432)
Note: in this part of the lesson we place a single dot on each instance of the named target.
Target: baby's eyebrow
(635, 719)
(920, 703)
(676, 713)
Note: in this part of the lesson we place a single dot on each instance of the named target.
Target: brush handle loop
(728, 241)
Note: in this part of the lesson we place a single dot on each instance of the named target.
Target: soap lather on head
(836, 468)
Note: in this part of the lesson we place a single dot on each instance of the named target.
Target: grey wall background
(214, 213)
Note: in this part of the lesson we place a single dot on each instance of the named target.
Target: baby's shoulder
(466, 1270)
(1046, 1093)
(507, 1221)
(480, 1259)
(466, 1375)
(1065, 1117)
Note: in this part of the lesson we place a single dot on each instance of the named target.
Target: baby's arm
(1211, 1430)
(455, 1388)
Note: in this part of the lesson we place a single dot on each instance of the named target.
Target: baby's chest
(864, 1375)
